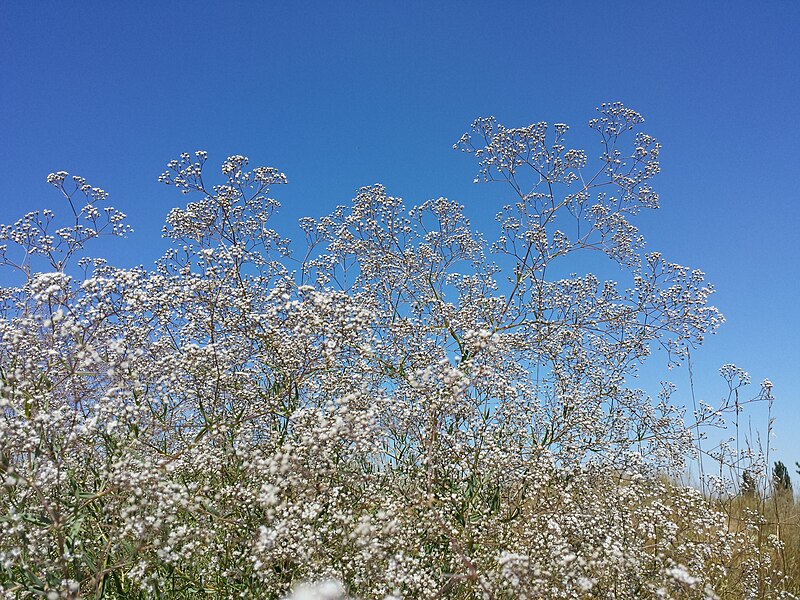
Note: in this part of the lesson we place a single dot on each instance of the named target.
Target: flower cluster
(408, 411)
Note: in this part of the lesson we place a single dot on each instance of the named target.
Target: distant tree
(748, 486)
(780, 478)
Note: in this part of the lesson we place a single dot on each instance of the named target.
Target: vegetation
(402, 409)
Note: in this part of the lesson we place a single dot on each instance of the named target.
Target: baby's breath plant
(402, 409)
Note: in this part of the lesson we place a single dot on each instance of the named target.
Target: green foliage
(781, 481)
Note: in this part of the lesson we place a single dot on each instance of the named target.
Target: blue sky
(340, 95)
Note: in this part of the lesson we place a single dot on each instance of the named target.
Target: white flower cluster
(414, 412)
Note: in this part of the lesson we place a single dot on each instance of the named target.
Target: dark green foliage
(780, 478)
(748, 485)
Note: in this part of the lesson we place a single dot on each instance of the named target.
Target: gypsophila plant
(407, 410)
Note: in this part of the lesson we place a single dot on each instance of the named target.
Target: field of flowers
(401, 408)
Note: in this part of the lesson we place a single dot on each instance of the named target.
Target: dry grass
(773, 521)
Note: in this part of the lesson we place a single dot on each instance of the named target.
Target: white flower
(323, 590)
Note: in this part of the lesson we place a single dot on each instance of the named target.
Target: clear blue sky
(340, 95)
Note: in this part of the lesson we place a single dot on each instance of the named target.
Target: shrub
(408, 408)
